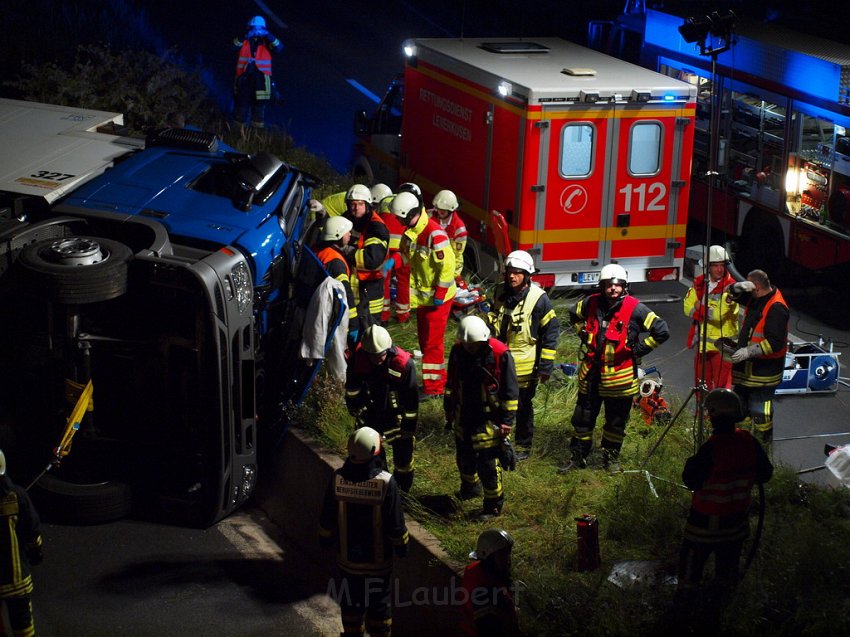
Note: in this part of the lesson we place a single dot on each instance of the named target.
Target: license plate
(588, 277)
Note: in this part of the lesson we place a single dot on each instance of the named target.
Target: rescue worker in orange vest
(252, 88)
(370, 252)
(721, 475)
(362, 511)
(332, 242)
(20, 549)
(523, 319)
(426, 249)
(759, 360)
(445, 213)
(714, 309)
(382, 392)
(609, 324)
(489, 608)
(382, 197)
(480, 404)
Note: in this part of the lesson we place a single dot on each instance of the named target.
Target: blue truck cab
(177, 282)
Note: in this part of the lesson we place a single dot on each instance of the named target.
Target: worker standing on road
(332, 242)
(20, 549)
(370, 252)
(489, 608)
(759, 361)
(721, 475)
(425, 248)
(362, 511)
(382, 392)
(445, 213)
(719, 317)
(480, 406)
(524, 320)
(252, 87)
(609, 324)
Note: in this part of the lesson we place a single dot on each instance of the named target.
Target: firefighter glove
(745, 353)
(742, 286)
(438, 302)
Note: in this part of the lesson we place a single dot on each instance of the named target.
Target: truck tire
(62, 502)
(75, 270)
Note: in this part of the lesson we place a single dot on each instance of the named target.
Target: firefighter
(20, 549)
(721, 475)
(382, 197)
(426, 249)
(362, 511)
(252, 87)
(720, 317)
(489, 608)
(445, 213)
(381, 391)
(369, 254)
(759, 360)
(610, 324)
(332, 242)
(524, 320)
(480, 406)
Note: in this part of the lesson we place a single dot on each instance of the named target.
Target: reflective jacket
(395, 229)
(612, 344)
(766, 323)
(19, 536)
(386, 396)
(337, 267)
(455, 229)
(481, 393)
(362, 510)
(488, 608)
(371, 250)
(527, 323)
(723, 312)
(426, 248)
(261, 59)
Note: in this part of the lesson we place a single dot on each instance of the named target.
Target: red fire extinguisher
(587, 532)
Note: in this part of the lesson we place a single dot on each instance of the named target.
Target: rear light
(662, 274)
(545, 281)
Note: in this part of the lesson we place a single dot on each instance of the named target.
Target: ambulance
(580, 158)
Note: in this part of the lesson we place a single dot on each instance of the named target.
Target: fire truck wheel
(75, 270)
(61, 502)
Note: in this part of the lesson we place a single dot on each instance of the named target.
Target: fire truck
(780, 193)
(580, 158)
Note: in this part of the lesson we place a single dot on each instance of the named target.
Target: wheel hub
(75, 251)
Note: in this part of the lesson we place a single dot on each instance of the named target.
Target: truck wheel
(75, 270)
(61, 502)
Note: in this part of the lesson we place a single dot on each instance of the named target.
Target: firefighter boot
(579, 450)
(610, 460)
(469, 491)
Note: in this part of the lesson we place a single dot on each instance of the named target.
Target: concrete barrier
(426, 582)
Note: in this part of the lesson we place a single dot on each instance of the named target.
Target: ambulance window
(645, 148)
(576, 150)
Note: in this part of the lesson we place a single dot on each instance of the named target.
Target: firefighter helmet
(376, 340)
(359, 192)
(413, 189)
(521, 260)
(445, 200)
(490, 542)
(380, 192)
(257, 21)
(614, 272)
(405, 206)
(335, 228)
(2, 463)
(724, 403)
(473, 329)
(364, 444)
(717, 254)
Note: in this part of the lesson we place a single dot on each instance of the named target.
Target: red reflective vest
(616, 367)
(326, 255)
(486, 597)
(758, 330)
(733, 472)
(262, 59)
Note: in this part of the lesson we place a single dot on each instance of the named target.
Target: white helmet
(380, 192)
(491, 541)
(257, 21)
(359, 192)
(405, 206)
(717, 254)
(364, 444)
(376, 340)
(473, 329)
(335, 228)
(445, 200)
(2, 463)
(725, 403)
(521, 260)
(614, 272)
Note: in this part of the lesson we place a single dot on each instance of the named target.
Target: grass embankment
(797, 585)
